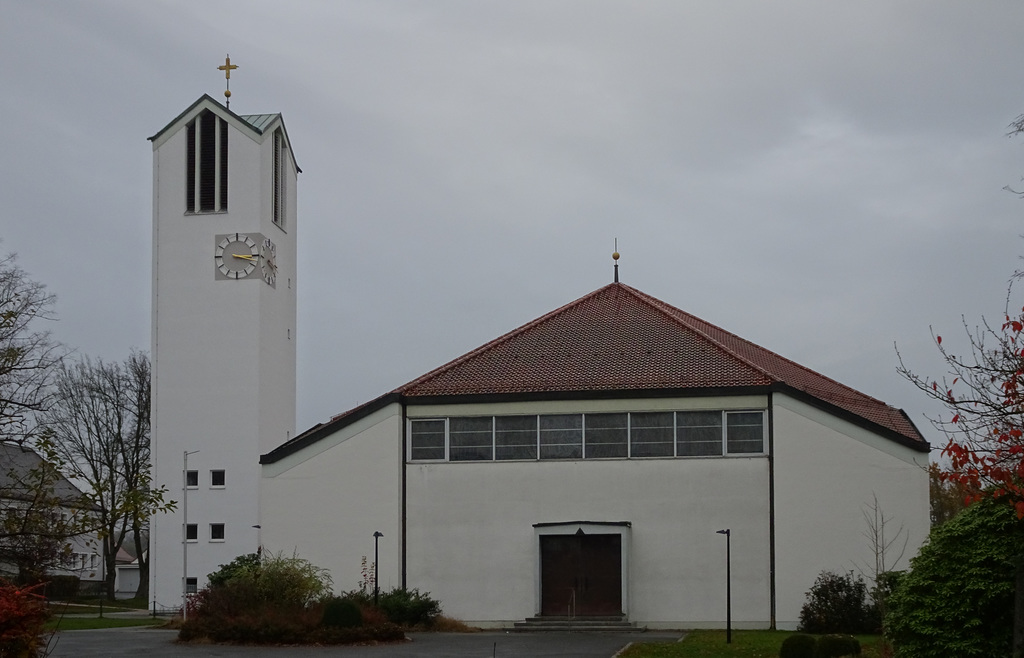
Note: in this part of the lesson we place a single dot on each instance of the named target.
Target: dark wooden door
(581, 569)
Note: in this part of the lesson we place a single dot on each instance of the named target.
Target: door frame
(621, 528)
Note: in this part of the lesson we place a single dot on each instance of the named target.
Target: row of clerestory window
(588, 436)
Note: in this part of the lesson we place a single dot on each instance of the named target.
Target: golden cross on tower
(227, 68)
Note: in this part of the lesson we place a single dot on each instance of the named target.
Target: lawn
(745, 644)
(92, 623)
(61, 608)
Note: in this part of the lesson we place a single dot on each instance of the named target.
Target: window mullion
(216, 165)
(725, 434)
(583, 436)
(197, 159)
(629, 436)
(675, 433)
(538, 417)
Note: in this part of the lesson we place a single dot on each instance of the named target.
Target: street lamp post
(376, 555)
(728, 583)
(184, 537)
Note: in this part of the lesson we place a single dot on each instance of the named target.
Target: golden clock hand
(244, 256)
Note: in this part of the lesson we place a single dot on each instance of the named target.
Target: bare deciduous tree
(28, 354)
(99, 426)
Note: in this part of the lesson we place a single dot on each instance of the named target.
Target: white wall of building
(223, 356)
(325, 503)
(827, 474)
(472, 527)
(472, 542)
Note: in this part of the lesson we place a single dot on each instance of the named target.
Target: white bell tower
(223, 351)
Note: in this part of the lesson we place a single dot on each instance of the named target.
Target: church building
(598, 461)
(588, 463)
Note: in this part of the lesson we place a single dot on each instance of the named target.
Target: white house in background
(584, 464)
(83, 557)
(223, 344)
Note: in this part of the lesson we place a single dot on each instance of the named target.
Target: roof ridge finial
(615, 257)
(227, 68)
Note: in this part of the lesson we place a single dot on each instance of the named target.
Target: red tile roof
(618, 338)
(620, 341)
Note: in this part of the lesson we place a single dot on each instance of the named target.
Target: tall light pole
(377, 534)
(184, 537)
(728, 583)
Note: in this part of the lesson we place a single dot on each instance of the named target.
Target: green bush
(835, 646)
(61, 587)
(291, 580)
(408, 607)
(232, 613)
(238, 566)
(275, 578)
(957, 598)
(837, 603)
(342, 613)
(799, 645)
(271, 599)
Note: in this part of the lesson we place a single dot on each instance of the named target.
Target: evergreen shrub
(409, 607)
(235, 568)
(836, 646)
(62, 587)
(798, 645)
(342, 613)
(838, 603)
(958, 597)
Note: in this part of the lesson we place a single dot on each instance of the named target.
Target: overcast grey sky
(822, 178)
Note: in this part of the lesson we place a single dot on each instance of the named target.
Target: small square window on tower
(217, 478)
(192, 479)
(192, 532)
(216, 532)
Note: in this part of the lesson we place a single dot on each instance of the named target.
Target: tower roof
(620, 342)
(257, 125)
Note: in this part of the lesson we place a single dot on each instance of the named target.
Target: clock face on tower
(268, 261)
(236, 256)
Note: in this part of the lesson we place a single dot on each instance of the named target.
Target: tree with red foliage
(983, 396)
(23, 614)
(983, 393)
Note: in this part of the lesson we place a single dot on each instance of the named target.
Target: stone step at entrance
(609, 624)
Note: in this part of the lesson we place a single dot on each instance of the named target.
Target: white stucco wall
(472, 542)
(471, 527)
(326, 502)
(827, 474)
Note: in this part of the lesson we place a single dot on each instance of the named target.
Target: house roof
(618, 341)
(16, 463)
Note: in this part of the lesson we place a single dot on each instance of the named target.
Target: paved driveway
(150, 643)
